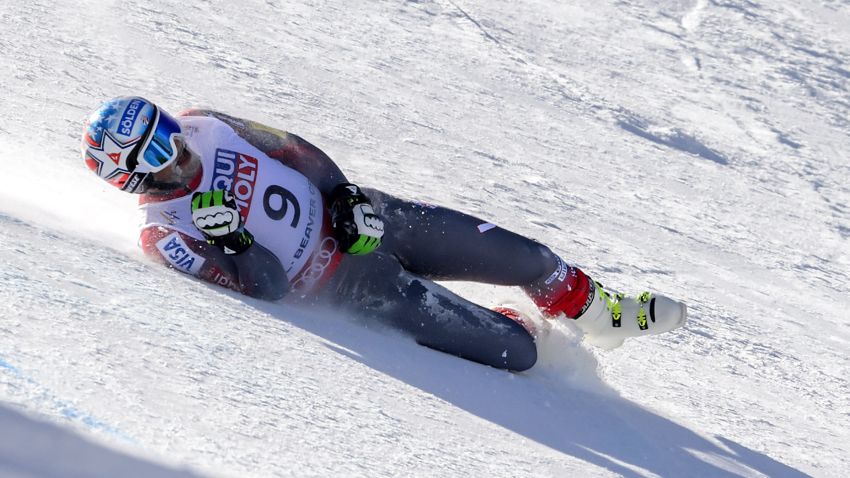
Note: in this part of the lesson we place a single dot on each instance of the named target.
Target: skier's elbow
(261, 275)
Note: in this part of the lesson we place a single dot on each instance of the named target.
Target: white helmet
(128, 138)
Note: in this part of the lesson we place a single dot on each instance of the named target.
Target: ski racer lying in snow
(264, 212)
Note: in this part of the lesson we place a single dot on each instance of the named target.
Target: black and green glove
(216, 214)
(356, 226)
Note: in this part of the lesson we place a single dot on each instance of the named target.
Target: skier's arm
(354, 222)
(291, 150)
(217, 217)
(256, 272)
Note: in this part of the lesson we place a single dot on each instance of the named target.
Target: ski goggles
(162, 143)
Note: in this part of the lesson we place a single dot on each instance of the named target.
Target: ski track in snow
(695, 147)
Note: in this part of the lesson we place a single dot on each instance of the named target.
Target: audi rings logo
(319, 262)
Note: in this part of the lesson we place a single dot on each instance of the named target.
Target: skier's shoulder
(246, 128)
(276, 143)
(196, 112)
(196, 115)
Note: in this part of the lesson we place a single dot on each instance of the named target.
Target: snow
(30, 448)
(697, 148)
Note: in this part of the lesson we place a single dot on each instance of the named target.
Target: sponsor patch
(591, 293)
(170, 216)
(319, 263)
(308, 231)
(237, 173)
(221, 278)
(482, 228)
(177, 253)
(133, 182)
(560, 273)
(128, 118)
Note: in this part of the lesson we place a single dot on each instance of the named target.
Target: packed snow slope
(698, 148)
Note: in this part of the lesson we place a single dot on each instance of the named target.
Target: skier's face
(178, 174)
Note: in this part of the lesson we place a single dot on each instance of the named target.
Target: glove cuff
(346, 195)
(234, 243)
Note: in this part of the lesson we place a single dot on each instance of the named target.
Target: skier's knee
(521, 356)
(516, 348)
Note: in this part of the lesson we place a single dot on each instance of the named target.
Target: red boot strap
(514, 315)
(572, 300)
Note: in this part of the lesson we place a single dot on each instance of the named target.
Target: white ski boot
(607, 319)
(611, 318)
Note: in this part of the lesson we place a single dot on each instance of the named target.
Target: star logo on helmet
(111, 156)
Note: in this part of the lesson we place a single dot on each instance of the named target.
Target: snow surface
(698, 148)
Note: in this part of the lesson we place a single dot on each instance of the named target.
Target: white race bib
(278, 205)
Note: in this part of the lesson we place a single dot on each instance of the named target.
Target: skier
(264, 212)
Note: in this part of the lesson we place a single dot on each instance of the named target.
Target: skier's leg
(441, 243)
(377, 286)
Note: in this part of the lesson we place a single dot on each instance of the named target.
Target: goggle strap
(135, 181)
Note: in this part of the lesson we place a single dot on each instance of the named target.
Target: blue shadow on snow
(597, 427)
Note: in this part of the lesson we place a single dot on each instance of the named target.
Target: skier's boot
(607, 318)
(612, 317)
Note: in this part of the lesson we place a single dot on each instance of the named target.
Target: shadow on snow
(576, 417)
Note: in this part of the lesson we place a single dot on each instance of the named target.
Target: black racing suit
(394, 284)
(424, 243)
